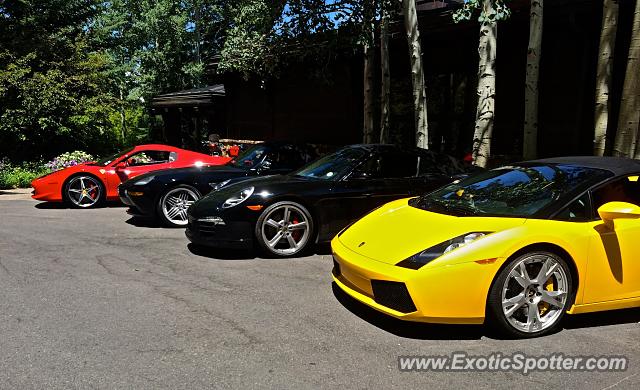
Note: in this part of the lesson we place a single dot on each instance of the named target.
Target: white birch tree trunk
(603, 77)
(530, 139)
(627, 135)
(386, 79)
(417, 73)
(486, 90)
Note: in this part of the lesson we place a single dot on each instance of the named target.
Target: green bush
(20, 176)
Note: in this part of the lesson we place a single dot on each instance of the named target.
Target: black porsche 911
(167, 194)
(286, 213)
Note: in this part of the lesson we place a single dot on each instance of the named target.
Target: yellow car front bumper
(452, 294)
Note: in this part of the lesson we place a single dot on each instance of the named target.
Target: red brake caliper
(92, 192)
(296, 234)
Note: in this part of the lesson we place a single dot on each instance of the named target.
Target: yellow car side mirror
(618, 210)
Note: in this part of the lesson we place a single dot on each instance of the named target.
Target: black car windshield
(333, 166)
(108, 160)
(512, 191)
(251, 157)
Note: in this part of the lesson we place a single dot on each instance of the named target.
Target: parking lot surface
(95, 299)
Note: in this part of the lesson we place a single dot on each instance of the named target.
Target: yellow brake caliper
(544, 307)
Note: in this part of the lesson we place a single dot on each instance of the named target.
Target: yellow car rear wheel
(530, 295)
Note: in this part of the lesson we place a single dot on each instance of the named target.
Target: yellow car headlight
(420, 259)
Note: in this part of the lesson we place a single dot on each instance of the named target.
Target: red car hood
(66, 172)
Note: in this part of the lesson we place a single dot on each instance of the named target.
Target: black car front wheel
(530, 296)
(284, 229)
(174, 203)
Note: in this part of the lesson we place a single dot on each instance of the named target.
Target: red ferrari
(87, 185)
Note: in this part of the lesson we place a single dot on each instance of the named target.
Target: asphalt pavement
(95, 299)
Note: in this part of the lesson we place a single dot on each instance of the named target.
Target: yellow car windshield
(512, 191)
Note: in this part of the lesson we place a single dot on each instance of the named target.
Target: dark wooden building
(320, 101)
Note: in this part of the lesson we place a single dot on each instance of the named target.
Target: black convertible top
(619, 166)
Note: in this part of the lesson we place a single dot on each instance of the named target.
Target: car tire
(284, 229)
(83, 191)
(173, 204)
(523, 302)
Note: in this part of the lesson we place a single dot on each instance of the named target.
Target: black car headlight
(143, 181)
(238, 198)
(426, 256)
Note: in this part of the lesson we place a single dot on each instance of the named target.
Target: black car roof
(619, 166)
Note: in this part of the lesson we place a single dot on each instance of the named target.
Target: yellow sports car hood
(397, 231)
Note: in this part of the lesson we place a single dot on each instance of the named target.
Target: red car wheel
(83, 191)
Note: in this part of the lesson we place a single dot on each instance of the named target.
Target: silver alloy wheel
(285, 230)
(175, 204)
(532, 305)
(84, 191)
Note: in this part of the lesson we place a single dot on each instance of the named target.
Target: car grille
(393, 295)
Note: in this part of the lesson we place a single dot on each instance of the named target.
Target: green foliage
(19, 176)
(76, 74)
(262, 35)
(136, 124)
(52, 93)
(156, 46)
(248, 48)
(486, 15)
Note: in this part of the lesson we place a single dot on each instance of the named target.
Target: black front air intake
(393, 295)
(205, 228)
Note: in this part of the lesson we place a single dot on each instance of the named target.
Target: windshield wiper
(461, 210)
(446, 208)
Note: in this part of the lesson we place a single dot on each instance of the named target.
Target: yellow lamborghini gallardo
(517, 247)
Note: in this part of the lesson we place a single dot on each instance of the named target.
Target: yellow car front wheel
(530, 295)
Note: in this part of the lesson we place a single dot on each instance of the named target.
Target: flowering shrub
(68, 159)
(20, 176)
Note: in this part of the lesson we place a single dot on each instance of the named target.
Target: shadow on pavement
(221, 254)
(407, 329)
(250, 254)
(63, 206)
(11, 192)
(149, 223)
(323, 248)
(613, 317)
